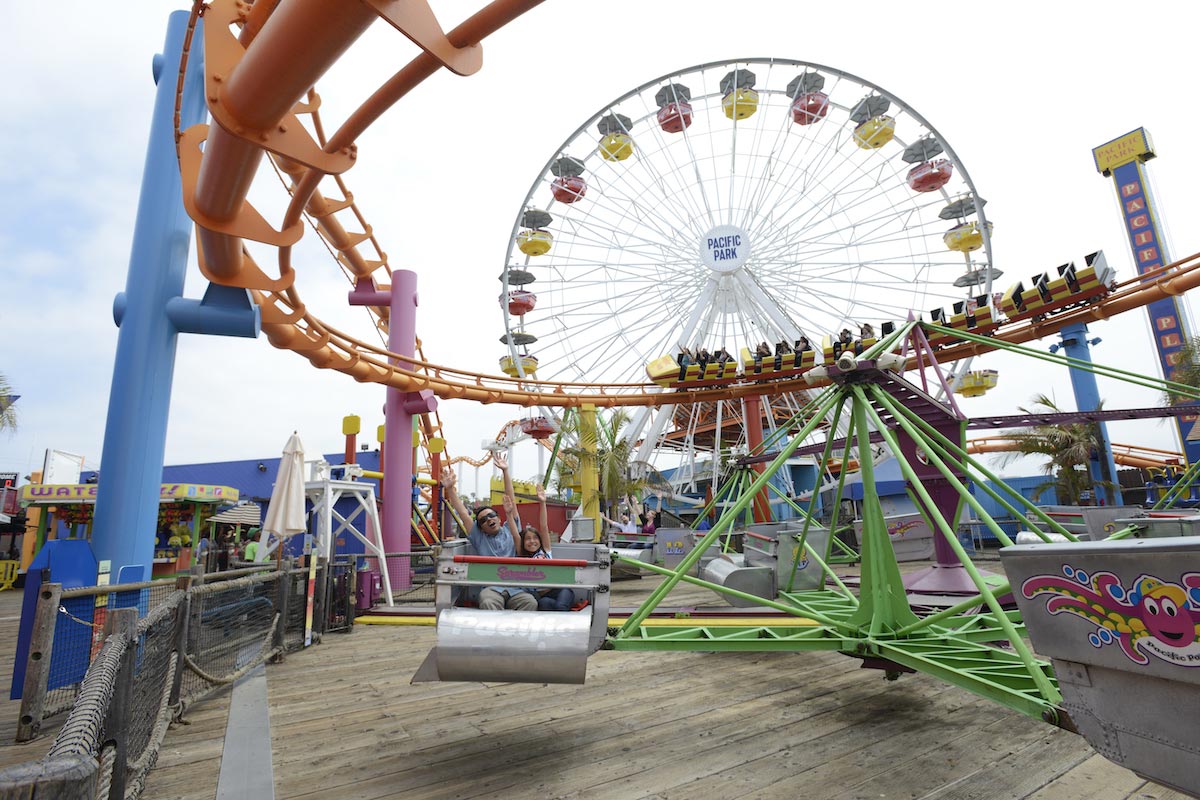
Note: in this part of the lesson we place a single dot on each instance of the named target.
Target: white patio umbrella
(285, 512)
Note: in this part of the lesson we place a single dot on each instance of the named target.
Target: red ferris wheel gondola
(521, 302)
(568, 185)
(810, 104)
(930, 175)
(674, 107)
(568, 189)
(810, 107)
(537, 428)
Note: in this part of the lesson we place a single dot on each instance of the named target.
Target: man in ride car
(489, 537)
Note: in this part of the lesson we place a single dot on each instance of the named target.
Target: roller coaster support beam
(588, 474)
(399, 407)
(754, 439)
(1075, 345)
(135, 432)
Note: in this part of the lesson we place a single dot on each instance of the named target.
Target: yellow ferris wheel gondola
(508, 365)
(615, 143)
(966, 237)
(875, 133)
(739, 99)
(977, 382)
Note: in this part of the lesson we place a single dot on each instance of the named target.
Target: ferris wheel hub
(725, 248)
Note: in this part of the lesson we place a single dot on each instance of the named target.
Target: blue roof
(251, 482)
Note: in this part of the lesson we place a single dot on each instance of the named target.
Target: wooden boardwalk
(346, 723)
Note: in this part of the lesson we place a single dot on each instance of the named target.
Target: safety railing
(143, 653)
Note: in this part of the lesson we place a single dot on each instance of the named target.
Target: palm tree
(8, 414)
(1185, 371)
(620, 473)
(1068, 449)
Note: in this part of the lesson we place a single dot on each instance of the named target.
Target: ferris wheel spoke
(767, 305)
(619, 233)
(697, 206)
(677, 223)
(845, 173)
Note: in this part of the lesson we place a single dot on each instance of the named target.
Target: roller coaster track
(1125, 455)
(259, 84)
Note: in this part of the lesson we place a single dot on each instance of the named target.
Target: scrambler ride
(1114, 616)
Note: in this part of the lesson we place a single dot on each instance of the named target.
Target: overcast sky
(1022, 91)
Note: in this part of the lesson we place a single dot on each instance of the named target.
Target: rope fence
(127, 660)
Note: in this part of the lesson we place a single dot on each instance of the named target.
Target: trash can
(366, 589)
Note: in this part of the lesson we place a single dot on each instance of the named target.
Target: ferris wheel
(732, 204)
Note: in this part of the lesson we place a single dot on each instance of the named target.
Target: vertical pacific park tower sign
(1123, 160)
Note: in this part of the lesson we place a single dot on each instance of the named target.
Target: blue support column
(1087, 398)
(136, 428)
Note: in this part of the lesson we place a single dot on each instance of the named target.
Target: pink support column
(399, 409)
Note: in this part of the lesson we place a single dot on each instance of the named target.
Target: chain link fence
(411, 576)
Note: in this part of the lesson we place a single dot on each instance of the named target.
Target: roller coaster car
(975, 318)
(790, 364)
(1073, 287)
(666, 373)
(517, 646)
(832, 347)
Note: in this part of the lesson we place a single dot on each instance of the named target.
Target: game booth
(182, 509)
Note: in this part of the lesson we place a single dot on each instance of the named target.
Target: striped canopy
(242, 514)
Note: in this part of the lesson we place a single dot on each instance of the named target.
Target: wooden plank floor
(346, 723)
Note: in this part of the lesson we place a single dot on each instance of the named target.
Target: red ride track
(254, 95)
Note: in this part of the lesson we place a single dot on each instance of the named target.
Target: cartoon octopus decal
(1151, 617)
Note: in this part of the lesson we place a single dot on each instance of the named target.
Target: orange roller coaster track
(260, 81)
(1125, 455)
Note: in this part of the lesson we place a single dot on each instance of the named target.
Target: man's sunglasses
(487, 515)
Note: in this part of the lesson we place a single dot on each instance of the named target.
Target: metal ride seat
(827, 348)
(985, 319)
(475, 644)
(635, 546)
(748, 365)
(665, 547)
(1042, 284)
(764, 567)
(1119, 620)
(1067, 273)
(1060, 287)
